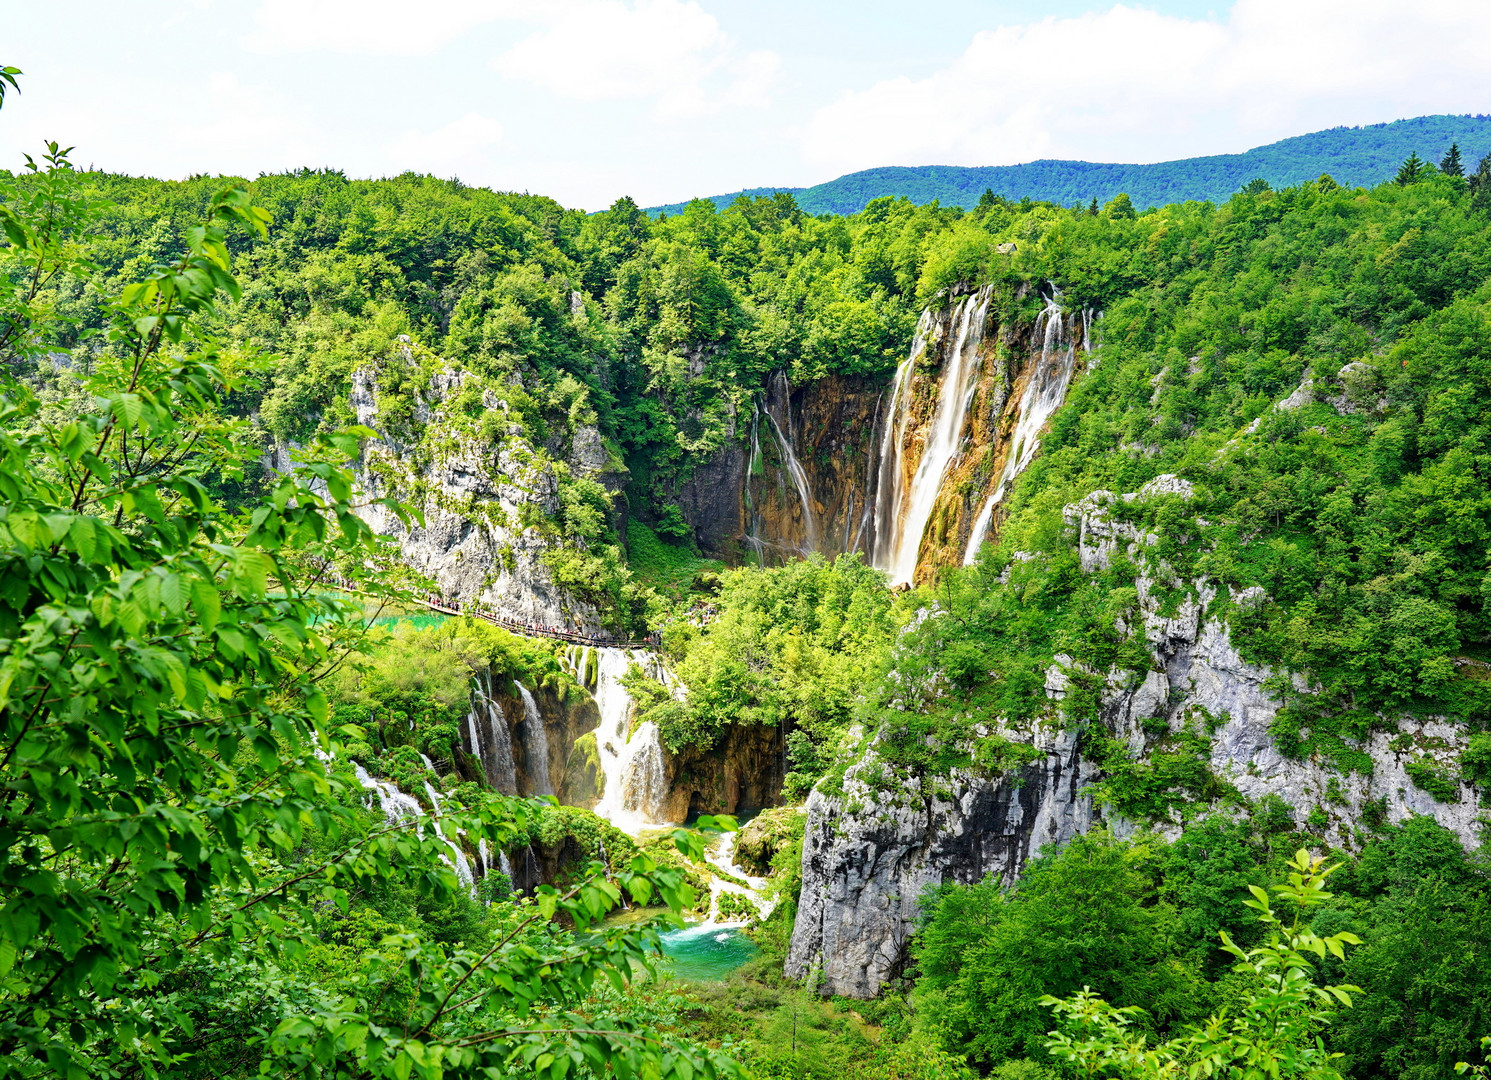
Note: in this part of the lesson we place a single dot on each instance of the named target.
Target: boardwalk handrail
(455, 608)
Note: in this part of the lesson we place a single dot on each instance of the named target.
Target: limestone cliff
(798, 476)
(871, 848)
(446, 447)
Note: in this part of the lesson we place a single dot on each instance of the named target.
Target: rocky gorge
(912, 474)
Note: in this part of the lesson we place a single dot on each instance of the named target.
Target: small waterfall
(721, 854)
(495, 752)
(903, 510)
(781, 395)
(800, 482)
(536, 744)
(457, 860)
(397, 806)
(1044, 392)
(632, 762)
(867, 519)
(753, 520)
(778, 399)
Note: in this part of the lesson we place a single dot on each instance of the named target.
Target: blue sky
(586, 100)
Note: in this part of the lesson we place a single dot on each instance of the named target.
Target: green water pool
(707, 952)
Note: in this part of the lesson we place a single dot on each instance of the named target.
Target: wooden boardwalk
(456, 609)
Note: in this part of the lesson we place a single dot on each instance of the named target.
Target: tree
(1082, 916)
(1479, 183)
(1450, 163)
(1411, 171)
(1120, 208)
(1273, 1028)
(174, 808)
(1092, 207)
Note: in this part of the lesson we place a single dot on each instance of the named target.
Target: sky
(664, 100)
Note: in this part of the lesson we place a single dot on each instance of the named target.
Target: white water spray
(536, 743)
(1044, 393)
(903, 510)
(631, 761)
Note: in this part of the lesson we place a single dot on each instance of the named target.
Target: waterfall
(800, 482)
(867, 519)
(457, 860)
(903, 510)
(397, 806)
(778, 398)
(753, 523)
(631, 762)
(1045, 390)
(721, 854)
(496, 751)
(536, 744)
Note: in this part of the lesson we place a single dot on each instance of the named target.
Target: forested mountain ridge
(1355, 156)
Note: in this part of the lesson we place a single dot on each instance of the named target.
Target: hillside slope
(1354, 156)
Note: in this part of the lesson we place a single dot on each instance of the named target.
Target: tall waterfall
(631, 761)
(902, 509)
(535, 744)
(1045, 390)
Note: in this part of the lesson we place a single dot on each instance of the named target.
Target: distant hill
(1354, 156)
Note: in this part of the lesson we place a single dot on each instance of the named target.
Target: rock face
(742, 773)
(482, 488)
(868, 855)
(870, 851)
(797, 477)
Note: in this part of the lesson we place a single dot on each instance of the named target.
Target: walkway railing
(446, 606)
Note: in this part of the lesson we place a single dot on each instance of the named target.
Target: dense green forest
(194, 883)
(1355, 156)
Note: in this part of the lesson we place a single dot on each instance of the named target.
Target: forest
(216, 675)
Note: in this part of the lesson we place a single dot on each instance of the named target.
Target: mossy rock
(766, 834)
(584, 780)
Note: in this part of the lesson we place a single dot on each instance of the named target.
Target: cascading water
(397, 806)
(1044, 392)
(535, 744)
(778, 399)
(721, 854)
(458, 860)
(902, 509)
(631, 761)
(495, 751)
(800, 482)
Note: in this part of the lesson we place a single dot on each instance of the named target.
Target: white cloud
(453, 150)
(376, 27)
(1133, 85)
(671, 51)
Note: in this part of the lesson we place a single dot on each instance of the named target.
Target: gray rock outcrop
(870, 851)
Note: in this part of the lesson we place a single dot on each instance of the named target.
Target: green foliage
(1422, 905)
(190, 880)
(1084, 916)
(792, 647)
(1271, 1030)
